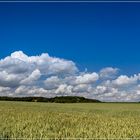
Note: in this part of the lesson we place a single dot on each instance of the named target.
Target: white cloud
(108, 72)
(43, 75)
(52, 82)
(64, 89)
(100, 89)
(3, 89)
(34, 76)
(125, 80)
(87, 78)
(46, 64)
(82, 88)
(9, 80)
(19, 55)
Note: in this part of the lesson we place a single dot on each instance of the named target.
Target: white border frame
(70, 1)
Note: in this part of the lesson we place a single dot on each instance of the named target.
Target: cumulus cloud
(125, 80)
(46, 64)
(82, 88)
(43, 75)
(87, 78)
(9, 79)
(64, 90)
(108, 72)
(34, 76)
(52, 82)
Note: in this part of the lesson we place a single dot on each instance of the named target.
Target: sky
(83, 49)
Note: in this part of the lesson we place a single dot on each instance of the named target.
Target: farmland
(76, 120)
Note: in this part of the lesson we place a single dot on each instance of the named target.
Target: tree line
(61, 99)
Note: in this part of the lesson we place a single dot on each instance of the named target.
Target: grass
(81, 120)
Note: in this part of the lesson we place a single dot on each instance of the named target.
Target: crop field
(82, 120)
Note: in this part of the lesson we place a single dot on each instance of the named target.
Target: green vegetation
(82, 120)
(61, 99)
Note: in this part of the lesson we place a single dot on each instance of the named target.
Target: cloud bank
(43, 75)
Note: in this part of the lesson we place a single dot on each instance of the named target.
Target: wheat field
(59, 121)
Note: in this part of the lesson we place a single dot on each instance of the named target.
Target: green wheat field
(77, 120)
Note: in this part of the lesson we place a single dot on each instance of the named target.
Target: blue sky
(78, 49)
(93, 35)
